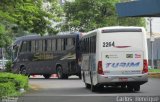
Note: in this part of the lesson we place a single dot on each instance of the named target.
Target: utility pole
(151, 40)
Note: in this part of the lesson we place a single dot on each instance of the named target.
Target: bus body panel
(122, 63)
(45, 62)
(122, 51)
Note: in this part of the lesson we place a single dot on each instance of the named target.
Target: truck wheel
(47, 76)
(60, 72)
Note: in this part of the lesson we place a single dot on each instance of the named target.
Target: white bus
(114, 56)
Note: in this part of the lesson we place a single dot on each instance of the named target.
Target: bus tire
(93, 88)
(123, 86)
(80, 76)
(88, 86)
(130, 88)
(47, 76)
(23, 70)
(65, 76)
(137, 88)
(60, 72)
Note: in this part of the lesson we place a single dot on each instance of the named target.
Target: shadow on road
(76, 91)
(112, 90)
(54, 79)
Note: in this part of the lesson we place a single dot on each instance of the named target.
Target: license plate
(123, 79)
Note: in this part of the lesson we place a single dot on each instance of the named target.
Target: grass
(154, 70)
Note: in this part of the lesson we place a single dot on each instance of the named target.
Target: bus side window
(59, 45)
(23, 46)
(84, 46)
(87, 51)
(70, 43)
(73, 41)
(49, 45)
(89, 43)
(62, 44)
(28, 46)
(53, 44)
(65, 43)
(33, 46)
(40, 46)
(94, 44)
(36, 45)
(44, 45)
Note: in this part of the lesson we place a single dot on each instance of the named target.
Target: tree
(30, 15)
(5, 40)
(20, 17)
(86, 15)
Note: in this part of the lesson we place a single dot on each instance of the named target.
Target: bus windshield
(15, 52)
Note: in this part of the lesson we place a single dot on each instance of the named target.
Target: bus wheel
(23, 71)
(60, 72)
(65, 76)
(137, 88)
(130, 88)
(88, 86)
(79, 75)
(93, 88)
(47, 76)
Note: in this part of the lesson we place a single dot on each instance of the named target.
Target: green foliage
(7, 89)
(8, 66)
(11, 83)
(24, 17)
(86, 15)
(5, 37)
(154, 70)
(30, 15)
(130, 21)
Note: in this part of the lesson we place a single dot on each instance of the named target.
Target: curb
(154, 75)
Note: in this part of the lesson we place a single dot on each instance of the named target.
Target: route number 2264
(108, 44)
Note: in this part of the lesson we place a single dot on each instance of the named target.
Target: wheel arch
(22, 66)
(57, 65)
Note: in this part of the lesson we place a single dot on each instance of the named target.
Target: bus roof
(116, 29)
(36, 37)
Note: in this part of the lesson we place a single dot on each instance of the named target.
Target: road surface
(73, 90)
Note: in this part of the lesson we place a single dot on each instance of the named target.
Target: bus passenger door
(92, 67)
(85, 68)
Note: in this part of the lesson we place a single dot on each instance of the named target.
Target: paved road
(73, 90)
